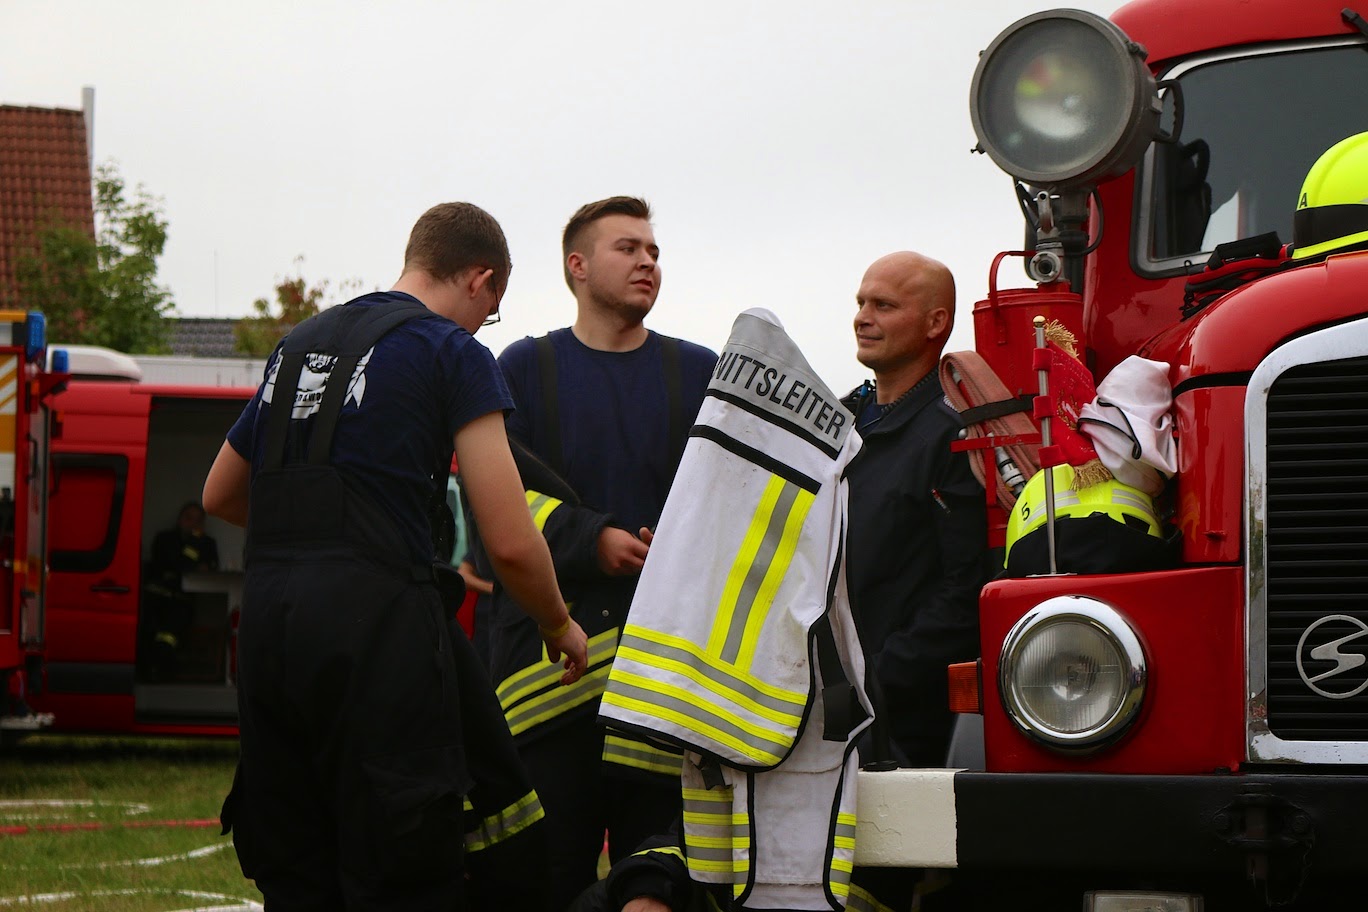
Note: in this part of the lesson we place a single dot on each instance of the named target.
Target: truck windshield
(1254, 125)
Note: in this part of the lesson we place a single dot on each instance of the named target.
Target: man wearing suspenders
(362, 730)
(604, 407)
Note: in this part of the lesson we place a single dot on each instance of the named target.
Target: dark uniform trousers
(353, 772)
(584, 796)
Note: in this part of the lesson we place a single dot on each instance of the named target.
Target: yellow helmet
(1332, 208)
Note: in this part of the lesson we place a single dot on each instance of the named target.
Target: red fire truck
(1195, 737)
(25, 385)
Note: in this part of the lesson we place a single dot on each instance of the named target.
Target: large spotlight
(1064, 99)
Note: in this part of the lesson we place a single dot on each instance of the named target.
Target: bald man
(916, 546)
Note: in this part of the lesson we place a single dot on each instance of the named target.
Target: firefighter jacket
(917, 557)
(740, 646)
(534, 701)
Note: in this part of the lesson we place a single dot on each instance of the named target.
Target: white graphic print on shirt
(313, 378)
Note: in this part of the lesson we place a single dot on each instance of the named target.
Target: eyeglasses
(498, 299)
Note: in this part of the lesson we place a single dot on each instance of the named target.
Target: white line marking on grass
(63, 808)
(159, 860)
(142, 862)
(236, 903)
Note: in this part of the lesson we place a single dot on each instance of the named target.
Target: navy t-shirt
(408, 396)
(614, 418)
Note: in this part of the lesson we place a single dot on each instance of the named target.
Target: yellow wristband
(556, 633)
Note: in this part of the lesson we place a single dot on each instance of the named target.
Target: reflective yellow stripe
(860, 900)
(731, 678)
(843, 854)
(643, 756)
(545, 674)
(774, 576)
(508, 822)
(676, 705)
(761, 562)
(745, 556)
(534, 694)
(542, 506)
(551, 704)
(662, 850)
(732, 695)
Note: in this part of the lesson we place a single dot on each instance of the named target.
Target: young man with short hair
(606, 404)
(361, 728)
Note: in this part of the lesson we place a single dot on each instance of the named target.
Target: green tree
(295, 301)
(103, 291)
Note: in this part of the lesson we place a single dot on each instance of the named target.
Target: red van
(132, 441)
(131, 444)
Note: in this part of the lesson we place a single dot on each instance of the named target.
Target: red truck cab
(1214, 750)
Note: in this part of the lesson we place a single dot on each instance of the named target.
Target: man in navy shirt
(354, 706)
(606, 405)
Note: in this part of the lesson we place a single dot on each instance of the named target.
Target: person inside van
(167, 608)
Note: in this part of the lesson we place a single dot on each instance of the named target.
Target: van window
(84, 510)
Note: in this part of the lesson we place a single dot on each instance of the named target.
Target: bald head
(906, 310)
(926, 280)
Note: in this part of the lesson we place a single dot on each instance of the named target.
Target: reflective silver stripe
(706, 815)
(513, 819)
(758, 569)
(766, 745)
(706, 853)
(845, 829)
(541, 506)
(544, 674)
(534, 694)
(718, 676)
(640, 755)
(552, 704)
(1135, 501)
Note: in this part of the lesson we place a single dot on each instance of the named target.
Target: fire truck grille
(1317, 552)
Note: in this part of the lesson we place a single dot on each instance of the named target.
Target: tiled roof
(44, 174)
(203, 337)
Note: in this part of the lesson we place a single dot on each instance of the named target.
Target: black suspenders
(346, 331)
(674, 383)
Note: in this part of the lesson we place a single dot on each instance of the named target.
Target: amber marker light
(966, 694)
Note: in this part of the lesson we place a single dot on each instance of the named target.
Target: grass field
(117, 825)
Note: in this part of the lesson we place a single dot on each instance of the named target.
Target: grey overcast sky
(783, 145)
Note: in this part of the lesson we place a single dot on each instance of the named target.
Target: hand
(572, 644)
(646, 535)
(473, 581)
(645, 904)
(620, 553)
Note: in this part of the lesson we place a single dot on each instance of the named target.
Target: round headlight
(1064, 98)
(1072, 673)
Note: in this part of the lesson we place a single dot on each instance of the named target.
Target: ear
(478, 279)
(937, 323)
(574, 264)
